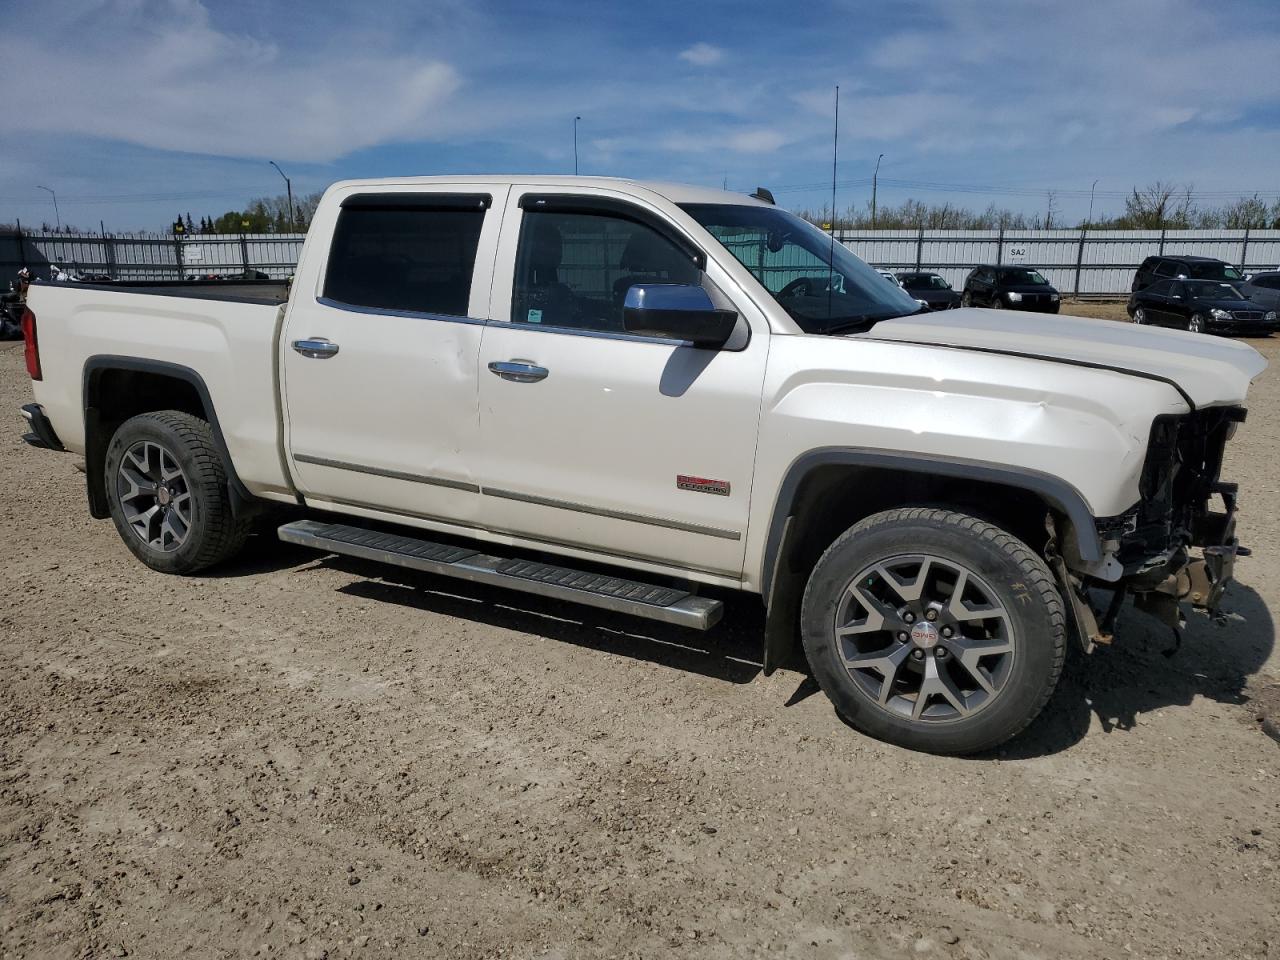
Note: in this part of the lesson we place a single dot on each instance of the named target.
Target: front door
(378, 362)
(631, 446)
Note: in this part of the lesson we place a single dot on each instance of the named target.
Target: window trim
(608, 206)
(418, 200)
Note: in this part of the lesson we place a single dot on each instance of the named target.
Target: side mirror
(679, 311)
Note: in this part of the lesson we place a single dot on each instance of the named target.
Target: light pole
(293, 223)
(1089, 221)
(875, 177)
(575, 145)
(56, 217)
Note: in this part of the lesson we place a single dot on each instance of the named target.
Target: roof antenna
(835, 153)
(764, 194)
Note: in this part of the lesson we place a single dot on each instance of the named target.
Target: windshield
(1213, 290)
(1214, 271)
(1023, 276)
(925, 281)
(792, 259)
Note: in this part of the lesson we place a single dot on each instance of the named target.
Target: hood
(1227, 303)
(1209, 370)
(1028, 288)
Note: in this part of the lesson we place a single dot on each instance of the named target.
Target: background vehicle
(888, 276)
(1011, 288)
(1183, 268)
(931, 288)
(1263, 289)
(624, 395)
(1201, 306)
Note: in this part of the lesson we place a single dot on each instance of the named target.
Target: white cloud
(163, 75)
(702, 55)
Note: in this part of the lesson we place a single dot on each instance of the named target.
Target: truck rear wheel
(934, 630)
(167, 490)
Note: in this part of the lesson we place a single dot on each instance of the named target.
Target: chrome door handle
(317, 348)
(518, 371)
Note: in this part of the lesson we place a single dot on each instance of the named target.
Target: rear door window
(1165, 268)
(406, 252)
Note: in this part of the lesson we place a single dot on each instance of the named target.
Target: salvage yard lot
(300, 756)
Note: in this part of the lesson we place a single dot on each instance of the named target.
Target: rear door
(379, 355)
(633, 446)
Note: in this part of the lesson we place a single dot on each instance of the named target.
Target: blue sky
(134, 110)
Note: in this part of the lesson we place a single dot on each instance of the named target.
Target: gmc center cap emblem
(924, 635)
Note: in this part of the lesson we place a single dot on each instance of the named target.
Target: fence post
(919, 248)
(1080, 258)
(1000, 248)
(109, 243)
(177, 253)
(244, 253)
(1244, 252)
(1163, 231)
(22, 244)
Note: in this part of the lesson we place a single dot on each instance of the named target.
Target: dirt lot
(298, 757)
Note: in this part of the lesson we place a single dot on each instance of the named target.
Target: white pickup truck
(622, 393)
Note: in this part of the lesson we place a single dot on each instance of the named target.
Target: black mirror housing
(677, 311)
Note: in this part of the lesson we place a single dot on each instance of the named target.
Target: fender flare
(783, 606)
(242, 501)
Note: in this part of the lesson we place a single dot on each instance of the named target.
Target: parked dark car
(1183, 268)
(931, 288)
(1201, 306)
(1263, 289)
(1010, 288)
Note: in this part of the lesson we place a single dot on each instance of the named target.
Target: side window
(574, 269)
(1270, 283)
(1176, 289)
(1160, 288)
(1165, 268)
(413, 258)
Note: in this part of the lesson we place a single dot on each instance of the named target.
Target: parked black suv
(1200, 306)
(931, 288)
(1183, 268)
(1010, 288)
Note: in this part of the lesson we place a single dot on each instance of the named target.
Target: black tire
(213, 534)
(1020, 582)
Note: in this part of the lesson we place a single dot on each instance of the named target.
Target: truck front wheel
(934, 630)
(166, 486)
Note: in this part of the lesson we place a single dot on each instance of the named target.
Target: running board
(668, 604)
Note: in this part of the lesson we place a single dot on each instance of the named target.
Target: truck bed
(238, 291)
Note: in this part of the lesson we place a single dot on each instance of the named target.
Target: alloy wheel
(1139, 316)
(155, 497)
(924, 638)
(1196, 324)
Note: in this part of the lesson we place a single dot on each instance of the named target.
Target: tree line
(263, 215)
(1158, 206)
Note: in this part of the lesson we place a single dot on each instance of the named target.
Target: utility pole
(293, 223)
(875, 177)
(575, 145)
(56, 216)
(1089, 221)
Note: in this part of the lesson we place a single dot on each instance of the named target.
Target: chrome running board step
(668, 604)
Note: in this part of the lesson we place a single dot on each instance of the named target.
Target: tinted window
(1214, 270)
(1270, 283)
(417, 260)
(1165, 268)
(574, 269)
(1020, 275)
(1160, 288)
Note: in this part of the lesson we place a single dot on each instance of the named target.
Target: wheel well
(117, 388)
(832, 497)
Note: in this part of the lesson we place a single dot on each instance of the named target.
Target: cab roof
(675, 192)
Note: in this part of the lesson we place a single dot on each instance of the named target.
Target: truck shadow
(1143, 672)
(730, 651)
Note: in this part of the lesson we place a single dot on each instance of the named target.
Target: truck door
(593, 438)
(378, 360)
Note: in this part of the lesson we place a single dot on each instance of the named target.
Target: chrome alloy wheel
(154, 496)
(925, 639)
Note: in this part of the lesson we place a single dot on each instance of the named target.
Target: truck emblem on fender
(702, 485)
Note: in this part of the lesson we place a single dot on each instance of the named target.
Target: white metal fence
(150, 257)
(1083, 262)
(1077, 262)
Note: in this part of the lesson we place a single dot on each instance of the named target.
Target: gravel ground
(305, 757)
